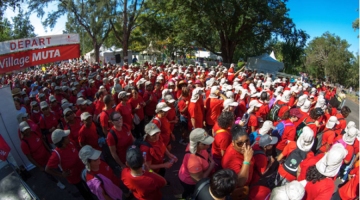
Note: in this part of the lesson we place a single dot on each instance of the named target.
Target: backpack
(293, 161)
(341, 141)
(253, 137)
(280, 127)
(299, 128)
(268, 178)
(177, 111)
(318, 140)
(274, 112)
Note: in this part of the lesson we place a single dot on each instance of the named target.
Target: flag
(4, 149)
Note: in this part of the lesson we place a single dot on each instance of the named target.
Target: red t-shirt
(89, 136)
(196, 112)
(68, 159)
(283, 109)
(126, 113)
(288, 134)
(34, 146)
(213, 108)
(234, 160)
(327, 138)
(320, 190)
(104, 119)
(261, 162)
(155, 153)
(105, 170)
(253, 121)
(171, 116)
(47, 122)
(222, 140)
(74, 129)
(182, 105)
(258, 192)
(306, 163)
(99, 106)
(124, 141)
(349, 148)
(149, 109)
(350, 190)
(144, 187)
(134, 103)
(342, 125)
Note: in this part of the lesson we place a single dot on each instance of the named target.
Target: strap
(220, 131)
(58, 154)
(201, 186)
(114, 136)
(157, 119)
(197, 154)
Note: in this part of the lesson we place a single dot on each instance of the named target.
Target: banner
(4, 149)
(19, 60)
(25, 44)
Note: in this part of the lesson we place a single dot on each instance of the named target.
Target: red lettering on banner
(18, 60)
(20, 44)
(41, 41)
(48, 39)
(27, 42)
(12, 45)
(34, 43)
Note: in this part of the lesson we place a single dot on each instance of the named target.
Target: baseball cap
(147, 83)
(21, 115)
(43, 105)
(230, 102)
(66, 111)
(57, 88)
(52, 98)
(199, 135)
(151, 129)
(332, 121)
(81, 101)
(84, 116)
(23, 126)
(162, 107)
(58, 134)
(123, 94)
(66, 105)
(267, 140)
(87, 152)
(169, 99)
(134, 158)
(267, 125)
(255, 103)
(295, 112)
(33, 103)
(41, 95)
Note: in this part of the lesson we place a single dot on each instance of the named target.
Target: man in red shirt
(48, 121)
(345, 112)
(195, 109)
(88, 134)
(213, 107)
(105, 114)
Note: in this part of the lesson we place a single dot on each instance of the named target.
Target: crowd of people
(109, 131)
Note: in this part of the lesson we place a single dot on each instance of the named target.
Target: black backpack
(273, 114)
(318, 141)
(299, 128)
(293, 161)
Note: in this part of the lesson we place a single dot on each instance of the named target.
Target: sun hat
(23, 126)
(86, 153)
(350, 136)
(84, 116)
(52, 98)
(199, 135)
(306, 106)
(286, 96)
(306, 139)
(267, 140)
(58, 134)
(66, 111)
(151, 129)
(349, 125)
(330, 164)
(229, 102)
(331, 122)
(266, 127)
(293, 190)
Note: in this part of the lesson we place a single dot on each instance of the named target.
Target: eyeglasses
(241, 143)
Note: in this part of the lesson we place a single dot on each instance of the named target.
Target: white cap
(266, 127)
(84, 116)
(330, 164)
(162, 107)
(331, 122)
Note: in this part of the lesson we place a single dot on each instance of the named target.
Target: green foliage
(328, 56)
(20, 28)
(6, 32)
(13, 4)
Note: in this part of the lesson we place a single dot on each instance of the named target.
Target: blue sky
(318, 16)
(314, 16)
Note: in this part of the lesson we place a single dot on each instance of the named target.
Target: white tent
(108, 55)
(265, 64)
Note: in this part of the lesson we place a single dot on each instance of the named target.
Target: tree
(228, 24)
(90, 15)
(6, 32)
(22, 27)
(328, 56)
(13, 4)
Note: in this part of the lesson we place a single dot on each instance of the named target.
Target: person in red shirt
(88, 134)
(171, 114)
(350, 190)
(144, 185)
(301, 147)
(98, 170)
(222, 137)
(347, 140)
(163, 123)
(99, 103)
(289, 131)
(82, 105)
(36, 150)
(151, 101)
(264, 109)
(119, 138)
(320, 177)
(252, 121)
(195, 109)
(345, 112)
(239, 156)
(137, 106)
(104, 116)
(48, 122)
(35, 113)
(183, 103)
(55, 107)
(285, 98)
(66, 157)
(73, 124)
(124, 108)
(213, 106)
(328, 135)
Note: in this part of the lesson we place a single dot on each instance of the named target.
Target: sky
(313, 16)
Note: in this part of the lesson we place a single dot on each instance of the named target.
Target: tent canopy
(150, 50)
(264, 63)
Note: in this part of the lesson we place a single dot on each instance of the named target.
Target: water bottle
(144, 156)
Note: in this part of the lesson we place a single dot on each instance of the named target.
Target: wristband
(246, 163)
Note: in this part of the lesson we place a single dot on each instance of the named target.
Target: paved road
(354, 115)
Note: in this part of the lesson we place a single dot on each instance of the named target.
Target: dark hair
(99, 94)
(223, 183)
(286, 115)
(134, 158)
(345, 111)
(60, 143)
(313, 175)
(185, 92)
(314, 114)
(237, 131)
(263, 96)
(225, 120)
(107, 99)
(111, 117)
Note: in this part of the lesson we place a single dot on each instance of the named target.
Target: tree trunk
(227, 49)
(125, 33)
(96, 51)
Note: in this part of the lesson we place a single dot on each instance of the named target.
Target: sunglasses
(117, 119)
(241, 143)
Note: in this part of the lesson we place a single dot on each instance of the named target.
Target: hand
(212, 162)
(187, 102)
(167, 165)
(248, 153)
(138, 107)
(66, 173)
(150, 99)
(172, 137)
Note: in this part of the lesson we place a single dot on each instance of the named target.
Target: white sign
(25, 44)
